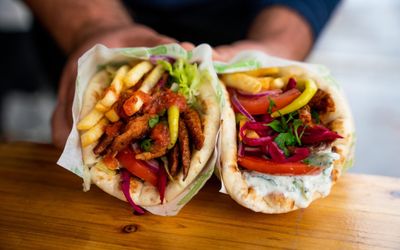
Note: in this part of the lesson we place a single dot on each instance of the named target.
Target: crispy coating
(183, 138)
(305, 115)
(135, 129)
(162, 100)
(322, 102)
(160, 140)
(112, 130)
(173, 160)
(193, 123)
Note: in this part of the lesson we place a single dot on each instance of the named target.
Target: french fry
(277, 83)
(149, 82)
(108, 100)
(112, 93)
(263, 72)
(90, 120)
(118, 83)
(152, 79)
(242, 82)
(265, 82)
(112, 115)
(136, 73)
(94, 133)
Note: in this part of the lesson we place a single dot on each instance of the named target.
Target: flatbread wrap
(287, 135)
(147, 128)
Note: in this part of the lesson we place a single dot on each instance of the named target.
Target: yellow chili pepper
(173, 124)
(308, 93)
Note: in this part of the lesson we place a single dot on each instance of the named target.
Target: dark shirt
(219, 21)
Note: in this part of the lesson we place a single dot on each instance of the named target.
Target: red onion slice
(317, 134)
(275, 152)
(153, 165)
(291, 84)
(125, 187)
(240, 149)
(162, 182)
(299, 155)
(240, 108)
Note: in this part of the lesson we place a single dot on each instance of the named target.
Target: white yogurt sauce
(298, 188)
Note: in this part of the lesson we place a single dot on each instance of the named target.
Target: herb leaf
(153, 121)
(296, 124)
(277, 126)
(285, 139)
(146, 145)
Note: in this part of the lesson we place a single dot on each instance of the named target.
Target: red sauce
(129, 104)
(110, 161)
(163, 100)
(175, 99)
(160, 134)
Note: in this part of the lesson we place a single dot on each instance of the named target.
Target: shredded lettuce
(186, 75)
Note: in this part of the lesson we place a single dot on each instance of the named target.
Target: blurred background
(360, 45)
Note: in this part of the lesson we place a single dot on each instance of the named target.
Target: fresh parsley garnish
(153, 121)
(296, 124)
(285, 139)
(146, 145)
(277, 126)
(288, 129)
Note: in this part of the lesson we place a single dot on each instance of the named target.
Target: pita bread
(274, 200)
(143, 193)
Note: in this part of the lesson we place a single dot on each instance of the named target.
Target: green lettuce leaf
(186, 75)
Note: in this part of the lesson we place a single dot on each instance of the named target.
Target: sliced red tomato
(269, 167)
(138, 168)
(260, 105)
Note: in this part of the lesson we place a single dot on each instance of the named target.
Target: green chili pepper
(173, 123)
(308, 93)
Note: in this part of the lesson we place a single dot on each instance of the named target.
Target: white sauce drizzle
(298, 188)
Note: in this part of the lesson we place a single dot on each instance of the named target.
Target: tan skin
(276, 30)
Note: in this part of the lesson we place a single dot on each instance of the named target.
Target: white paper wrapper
(249, 60)
(88, 65)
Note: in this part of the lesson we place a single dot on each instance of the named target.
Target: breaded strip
(305, 115)
(322, 102)
(183, 138)
(160, 139)
(193, 123)
(135, 129)
(112, 130)
(173, 160)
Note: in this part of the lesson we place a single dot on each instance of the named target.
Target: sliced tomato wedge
(138, 168)
(269, 167)
(260, 105)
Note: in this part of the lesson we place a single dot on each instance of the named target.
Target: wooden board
(42, 206)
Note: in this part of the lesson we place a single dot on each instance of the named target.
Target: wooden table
(42, 206)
